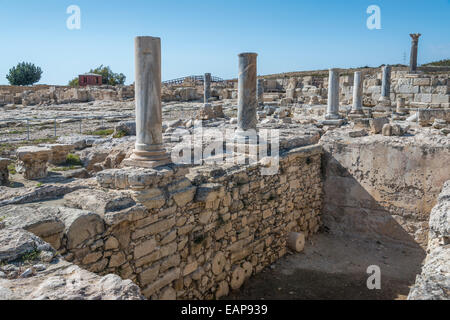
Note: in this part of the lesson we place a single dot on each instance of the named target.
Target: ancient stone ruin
(236, 189)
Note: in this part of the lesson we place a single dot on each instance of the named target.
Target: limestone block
(111, 243)
(190, 268)
(372, 82)
(248, 269)
(408, 89)
(440, 98)
(151, 198)
(168, 294)
(144, 248)
(162, 282)
(373, 89)
(441, 89)
(387, 130)
(149, 275)
(127, 127)
(59, 152)
(209, 192)
(421, 81)
(80, 226)
(296, 241)
(423, 97)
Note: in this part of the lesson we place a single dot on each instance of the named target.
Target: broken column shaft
(247, 100)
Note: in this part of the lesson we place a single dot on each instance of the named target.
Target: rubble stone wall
(192, 235)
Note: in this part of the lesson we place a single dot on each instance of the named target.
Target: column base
(332, 116)
(147, 159)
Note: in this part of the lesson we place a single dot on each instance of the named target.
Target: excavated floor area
(334, 267)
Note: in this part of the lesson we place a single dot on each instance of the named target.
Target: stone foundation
(189, 233)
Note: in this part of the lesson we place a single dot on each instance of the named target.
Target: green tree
(108, 76)
(74, 82)
(24, 74)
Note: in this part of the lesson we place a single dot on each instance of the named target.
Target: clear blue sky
(206, 36)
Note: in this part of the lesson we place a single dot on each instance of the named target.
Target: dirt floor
(336, 268)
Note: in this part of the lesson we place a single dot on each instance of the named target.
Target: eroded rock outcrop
(434, 281)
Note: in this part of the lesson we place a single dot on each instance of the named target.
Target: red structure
(89, 79)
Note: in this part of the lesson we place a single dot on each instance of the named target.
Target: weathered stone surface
(33, 161)
(80, 226)
(434, 281)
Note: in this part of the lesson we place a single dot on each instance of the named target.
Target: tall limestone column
(149, 151)
(207, 87)
(247, 100)
(357, 110)
(414, 46)
(333, 95)
(385, 99)
(260, 91)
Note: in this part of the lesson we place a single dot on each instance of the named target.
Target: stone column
(260, 91)
(207, 87)
(414, 47)
(357, 110)
(149, 151)
(333, 95)
(247, 102)
(385, 99)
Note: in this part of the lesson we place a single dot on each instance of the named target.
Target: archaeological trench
(362, 178)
